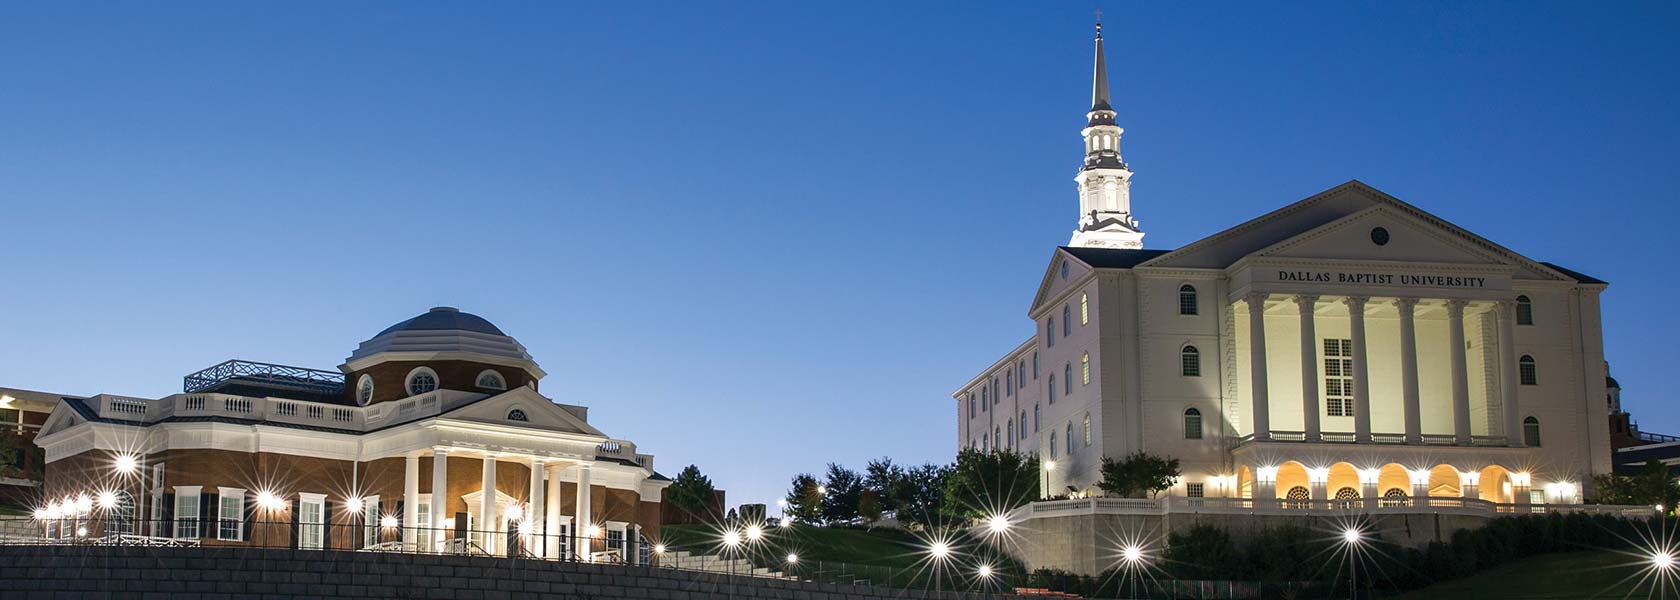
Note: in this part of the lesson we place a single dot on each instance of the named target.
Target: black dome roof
(445, 318)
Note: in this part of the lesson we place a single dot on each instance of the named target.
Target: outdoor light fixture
(940, 550)
(659, 548)
(593, 531)
(107, 500)
(353, 504)
(53, 511)
(388, 521)
(1049, 465)
(782, 503)
(513, 512)
(1132, 553)
(81, 531)
(1351, 536)
(822, 490)
(127, 464)
(731, 538)
(84, 503)
(525, 528)
(754, 532)
(267, 500)
(793, 559)
(985, 571)
(998, 523)
(787, 522)
(40, 514)
(1662, 560)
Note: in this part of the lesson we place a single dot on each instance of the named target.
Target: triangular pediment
(61, 418)
(1054, 284)
(539, 413)
(1340, 224)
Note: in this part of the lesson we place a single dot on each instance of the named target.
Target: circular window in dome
(1379, 236)
(364, 390)
(421, 380)
(491, 380)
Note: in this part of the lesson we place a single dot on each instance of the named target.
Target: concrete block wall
(228, 573)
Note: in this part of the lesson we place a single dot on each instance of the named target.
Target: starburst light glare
(732, 538)
(127, 464)
(84, 503)
(754, 532)
(787, 522)
(793, 559)
(1662, 560)
(985, 571)
(659, 548)
(388, 521)
(998, 523)
(1132, 553)
(940, 550)
(107, 500)
(513, 512)
(1351, 536)
(353, 504)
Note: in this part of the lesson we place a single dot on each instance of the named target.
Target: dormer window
(517, 415)
(421, 380)
(364, 390)
(491, 380)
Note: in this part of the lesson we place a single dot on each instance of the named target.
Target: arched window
(421, 380)
(1192, 424)
(1531, 432)
(1036, 413)
(1011, 437)
(1070, 438)
(986, 442)
(997, 437)
(1049, 333)
(1067, 321)
(1186, 299)
(1525, 311)
(1190, 361)
(1297, 497)
(364, 390)
(1087, 430)
(1052, 394)
(120, 518)
(1084, 310)
(1021, 369)
(491, 380)
(1064, 269)
(1024, 423)
(1067, 378)
(1526, 371)
(1346, 497)
(985, 398)
(1009, 384)
(1085, 369)
(1393, 497)
(517, 415)
(1052, 443)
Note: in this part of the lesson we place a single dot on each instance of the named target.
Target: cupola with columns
(442, 348)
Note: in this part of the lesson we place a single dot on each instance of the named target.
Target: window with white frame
(1087, 430)
(421, 380)
(186, 512)
(423, 520)
(364, 390)
(1338, 377)
(615, 538)
(312, 521)
(1192, 424)
(1084, 310)
(230, 516)
(121, 519)
(1190, 361)
(1527, 372)
(1187, 299)
(1193, 490)
(156, 522)
(1525, 311)
(491, 380)
(1085, 369)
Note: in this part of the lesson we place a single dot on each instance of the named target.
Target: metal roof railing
(312, 379)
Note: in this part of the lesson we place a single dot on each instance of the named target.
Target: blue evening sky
(761, 237)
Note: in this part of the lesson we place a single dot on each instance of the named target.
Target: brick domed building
(431, 436)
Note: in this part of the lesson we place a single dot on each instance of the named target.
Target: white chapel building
(1345, 346)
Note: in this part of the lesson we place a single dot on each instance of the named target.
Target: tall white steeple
(1105, 183)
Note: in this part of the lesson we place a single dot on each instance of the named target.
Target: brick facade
(390, 379)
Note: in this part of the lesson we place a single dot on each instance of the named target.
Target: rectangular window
(156, 521)
(370, 521)
(230, 519)
(312, 519)
(615, 540)
(1338, 377)
(1193, 490)
(423, 520)
(565, 533)
(186, 512)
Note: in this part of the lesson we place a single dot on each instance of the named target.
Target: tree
(1652, 485)
(11, 448)
(693, 494)
(889, 483)
(804, 502)
(869, 506)
(844, 491)
(987, 483)
(924, 495)
(1140, 475)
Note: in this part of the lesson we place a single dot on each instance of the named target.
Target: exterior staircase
(712, 563)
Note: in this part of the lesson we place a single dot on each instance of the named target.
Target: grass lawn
(1582, 575)
(880, 547)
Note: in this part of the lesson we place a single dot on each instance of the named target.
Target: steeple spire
(1099, 81)
(1105, 182)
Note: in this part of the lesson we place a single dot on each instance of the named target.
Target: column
(534, 514)
(1309, 367)
(440, 497)
(551, 522)
(1508, 371)
(411, 500)
(1257, 365)
(1361, 370)
(487, 505)
(1460, 377)
(1318, 483)
(1420, 487)
(1519, 490)
(1265, 488)
(581, 524)
(1467, 485)
(1409, 370)
(1368, 487)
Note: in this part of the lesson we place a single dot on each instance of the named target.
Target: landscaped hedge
(1299, 562)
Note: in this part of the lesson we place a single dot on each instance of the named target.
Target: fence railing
(1405, 504)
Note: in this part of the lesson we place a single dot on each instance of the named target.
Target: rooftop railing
(313, 379)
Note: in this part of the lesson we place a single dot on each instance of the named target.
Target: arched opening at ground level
(1444, 482)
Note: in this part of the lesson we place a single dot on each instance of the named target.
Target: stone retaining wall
(233, 573)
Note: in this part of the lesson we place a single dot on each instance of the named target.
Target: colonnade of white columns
(544, 494)
(1406, 311)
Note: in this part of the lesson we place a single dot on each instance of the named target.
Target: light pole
(1352, 537)
(940, 550)
(1133, 555)
(1049, 466)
